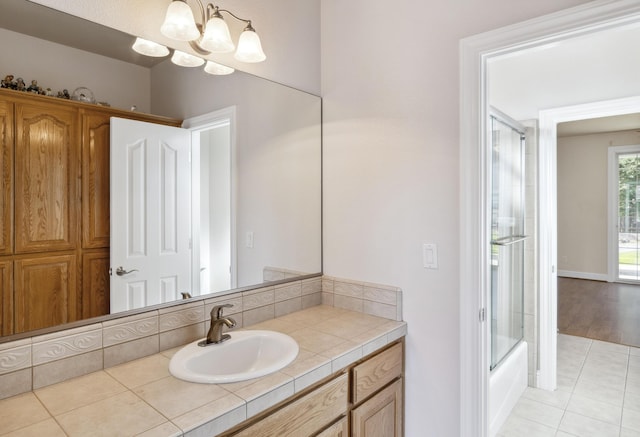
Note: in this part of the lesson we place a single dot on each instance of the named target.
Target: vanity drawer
(376, 372)
(306, 415)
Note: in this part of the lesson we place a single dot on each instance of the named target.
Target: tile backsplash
(39, 361)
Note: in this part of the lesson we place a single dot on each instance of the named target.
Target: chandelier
(212, 36)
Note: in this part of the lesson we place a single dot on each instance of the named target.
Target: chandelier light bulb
(217, 69)
(185, 59)
(249, 47)
(179, 23)
(217, 38)
(149, 48)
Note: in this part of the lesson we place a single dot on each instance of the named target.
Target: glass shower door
(507, 233)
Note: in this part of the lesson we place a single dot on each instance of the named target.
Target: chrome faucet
(215, 336)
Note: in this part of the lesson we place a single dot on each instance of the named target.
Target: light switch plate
(430, 255)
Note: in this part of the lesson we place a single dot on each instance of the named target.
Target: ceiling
(599, 125)
(49, 24)
(594, 67)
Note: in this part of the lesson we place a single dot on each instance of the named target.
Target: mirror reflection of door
(150, 233)
(174, 230)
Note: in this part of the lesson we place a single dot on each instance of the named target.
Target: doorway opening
(474, 279)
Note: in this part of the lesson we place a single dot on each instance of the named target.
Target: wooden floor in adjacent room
(604, 311)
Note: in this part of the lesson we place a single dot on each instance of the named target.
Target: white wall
(582, 200)
(390, 92)
(59, 67)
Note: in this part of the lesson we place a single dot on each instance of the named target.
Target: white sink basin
(248, 354)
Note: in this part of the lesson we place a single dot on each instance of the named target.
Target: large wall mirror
(254, 200)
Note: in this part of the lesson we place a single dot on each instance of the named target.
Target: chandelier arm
(203, 14)
(199, 50)
(234, 15)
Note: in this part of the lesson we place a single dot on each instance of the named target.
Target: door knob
(121, 271)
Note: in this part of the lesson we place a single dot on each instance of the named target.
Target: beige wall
(582, 201)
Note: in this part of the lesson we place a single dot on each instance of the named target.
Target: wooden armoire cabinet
(54, 209)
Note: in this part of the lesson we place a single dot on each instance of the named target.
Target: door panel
(6, 297)
(6, 178)
(150, 222)
(95, 180)
(46, 182)
(380, 416)
(95, 283)
(45, 292)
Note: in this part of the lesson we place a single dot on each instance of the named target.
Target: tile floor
(598, 394)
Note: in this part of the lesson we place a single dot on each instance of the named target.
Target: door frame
(475, 52)
(613, 177)
(196, 125)
(548, 233)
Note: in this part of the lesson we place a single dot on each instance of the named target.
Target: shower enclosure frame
(507, 169)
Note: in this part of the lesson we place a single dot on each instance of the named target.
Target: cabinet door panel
(340, 429)
(6, 178)
(6, 297)
(46, 168)
(377, 371)
(45, 292)
(380, 416)
(95, 284)
(95, 180)
(305, 416)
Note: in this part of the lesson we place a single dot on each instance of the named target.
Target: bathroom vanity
(347, 380)
(364, 399)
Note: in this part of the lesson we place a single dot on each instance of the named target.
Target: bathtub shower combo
(508, 366)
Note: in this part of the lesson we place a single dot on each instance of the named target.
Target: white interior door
(150, 213)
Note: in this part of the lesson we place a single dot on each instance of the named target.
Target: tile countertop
(141, 398)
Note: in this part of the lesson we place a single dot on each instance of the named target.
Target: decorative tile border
(132, 337)
(15, 357)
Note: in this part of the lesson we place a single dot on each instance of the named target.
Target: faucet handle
(216, 311)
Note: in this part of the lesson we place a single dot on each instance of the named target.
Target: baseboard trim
(584, 275)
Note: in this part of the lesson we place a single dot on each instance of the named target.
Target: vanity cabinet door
(6, 297)
(6, 178)
(340, 429)
(381, 415)
(376, 372)
(45, 292)
(95, 283)
(46, 177)
(305, 416)
(95, 179)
